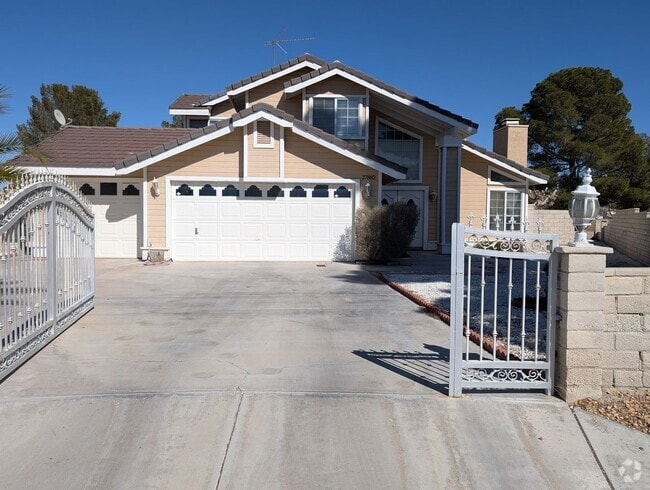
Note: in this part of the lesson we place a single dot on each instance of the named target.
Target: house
(275, 166)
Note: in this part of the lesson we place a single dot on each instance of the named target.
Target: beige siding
(473, 199)
(223, 109)
(306, 159)
(218, 158)
(272, 93)
(264, 162)
(336, 85)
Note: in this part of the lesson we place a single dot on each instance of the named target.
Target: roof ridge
(504, 159)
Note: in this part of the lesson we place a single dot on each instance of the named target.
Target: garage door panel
(319, 211)
(276, 231)
(231, 231)
(253, 228)
(116, 226)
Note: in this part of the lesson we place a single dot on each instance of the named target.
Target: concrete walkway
(248, 375)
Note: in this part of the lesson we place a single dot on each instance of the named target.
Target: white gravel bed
(436, 289)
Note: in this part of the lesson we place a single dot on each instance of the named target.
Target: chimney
(511, 140)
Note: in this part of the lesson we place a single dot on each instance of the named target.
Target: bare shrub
(385, 232)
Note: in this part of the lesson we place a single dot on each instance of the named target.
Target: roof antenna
(276, 42)
(60, 118)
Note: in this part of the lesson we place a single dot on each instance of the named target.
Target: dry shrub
(385, 232)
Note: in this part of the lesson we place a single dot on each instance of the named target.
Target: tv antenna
(278, 40)
(60, 118)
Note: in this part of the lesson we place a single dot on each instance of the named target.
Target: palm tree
(9, 143)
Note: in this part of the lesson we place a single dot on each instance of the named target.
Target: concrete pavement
(243, 375)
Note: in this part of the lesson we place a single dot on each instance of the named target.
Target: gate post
(456, 309)
(580, 330)
(52, 307)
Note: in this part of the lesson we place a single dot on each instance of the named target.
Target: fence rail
(46, 264)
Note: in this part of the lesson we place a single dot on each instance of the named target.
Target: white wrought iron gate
(47, 278)
(503, 290)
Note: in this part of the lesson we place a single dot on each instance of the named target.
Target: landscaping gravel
(630, 408)
(436, 289)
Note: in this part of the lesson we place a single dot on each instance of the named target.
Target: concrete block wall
(555, 221)
(628, 231)
(625, 359)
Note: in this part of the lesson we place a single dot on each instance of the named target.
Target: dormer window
(340, 116)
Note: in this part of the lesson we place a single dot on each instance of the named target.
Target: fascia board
(274, 76)
(409, 103)
(216, 101)
(502, 165)
(189, 112)
(175, 151)
(351, 155)
(262, 115)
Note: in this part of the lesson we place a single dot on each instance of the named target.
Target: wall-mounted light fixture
(433, 195)
(367, 190)
(155, 190)
(366, 186)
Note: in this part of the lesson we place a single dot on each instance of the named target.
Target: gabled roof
(85, 150)
(188, 101)
(503, 162)
(338, 68)
(305, 60)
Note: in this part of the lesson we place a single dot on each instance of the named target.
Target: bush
(385, 232)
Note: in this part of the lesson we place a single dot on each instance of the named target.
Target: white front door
(260, 221)
(412, 197)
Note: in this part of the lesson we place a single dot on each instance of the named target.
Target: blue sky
(471, 57)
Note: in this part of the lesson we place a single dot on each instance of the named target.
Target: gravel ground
(628, 408)
(436, 289)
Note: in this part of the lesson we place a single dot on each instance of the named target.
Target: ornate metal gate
(47, 257)
(503, 290)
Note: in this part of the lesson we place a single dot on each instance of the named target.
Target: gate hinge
(558, 317)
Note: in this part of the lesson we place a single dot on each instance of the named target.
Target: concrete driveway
(247, 375)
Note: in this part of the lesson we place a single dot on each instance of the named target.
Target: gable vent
(263, 133)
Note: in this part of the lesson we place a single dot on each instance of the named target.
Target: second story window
(340, 116)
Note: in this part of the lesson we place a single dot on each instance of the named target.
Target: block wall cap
(567, 249)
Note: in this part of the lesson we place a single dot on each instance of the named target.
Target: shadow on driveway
(430, 369)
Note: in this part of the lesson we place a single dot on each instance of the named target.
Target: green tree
(9, 143)
(177, 122)
(81, 105)
(578, 119)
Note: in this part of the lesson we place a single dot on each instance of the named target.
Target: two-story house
(275, 167)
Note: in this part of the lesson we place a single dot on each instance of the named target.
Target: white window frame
(257, 144)
(410, 133)
(361, 112)
(513, 190)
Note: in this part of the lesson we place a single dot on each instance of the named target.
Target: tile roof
(506, 161)
(389, 88)
(264, 74)
(99, 147)
(188, 101)
(108, 147)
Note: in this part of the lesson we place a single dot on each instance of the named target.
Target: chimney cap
(511, 121)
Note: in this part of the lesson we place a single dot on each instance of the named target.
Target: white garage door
(243, 221)
(117, 209)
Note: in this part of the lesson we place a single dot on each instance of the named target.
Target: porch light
(367, 190)
(155, 190)
(583, 209)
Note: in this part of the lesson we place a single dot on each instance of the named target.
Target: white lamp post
(583, 209)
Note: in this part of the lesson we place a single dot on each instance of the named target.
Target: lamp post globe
(583, 209)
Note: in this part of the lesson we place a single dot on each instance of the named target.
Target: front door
(411, 197)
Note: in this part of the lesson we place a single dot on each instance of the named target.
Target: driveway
(292, 375)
